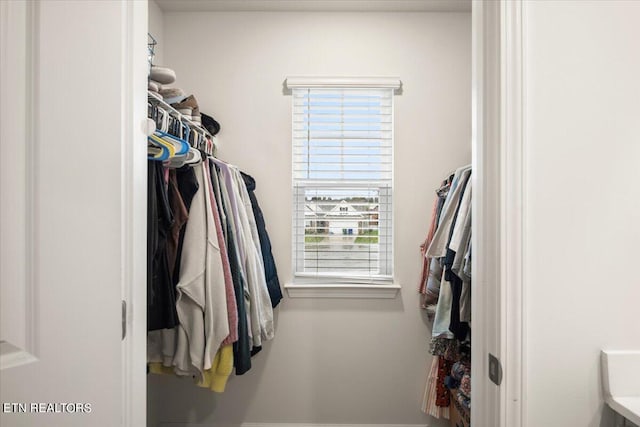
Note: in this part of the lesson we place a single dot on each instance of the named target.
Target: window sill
(342, 290)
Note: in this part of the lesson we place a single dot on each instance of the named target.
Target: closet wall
(357, 361)
(156, 29)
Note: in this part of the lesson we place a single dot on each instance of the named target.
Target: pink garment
(232, 309)
(429, 406)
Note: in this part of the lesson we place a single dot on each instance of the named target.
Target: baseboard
(329, 425)
(286, 425)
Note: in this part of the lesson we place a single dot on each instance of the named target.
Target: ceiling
(316, 5)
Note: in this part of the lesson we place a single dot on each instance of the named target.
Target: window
(342, 185)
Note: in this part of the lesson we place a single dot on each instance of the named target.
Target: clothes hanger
(177, 137)
(161, 142)
(207, 145)
(182, 132)
(220, 163)
(187, 132)
(157, 151)
(196, 157)
(200, 142)
(167, 121)
(181, 146)
(192, 157)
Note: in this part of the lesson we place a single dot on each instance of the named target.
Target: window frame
(333, 284)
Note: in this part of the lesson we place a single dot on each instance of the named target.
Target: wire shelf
(151, 49)
(155, 99)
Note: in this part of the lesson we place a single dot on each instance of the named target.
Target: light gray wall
(156, 29)
(582, 203)
(332, 361)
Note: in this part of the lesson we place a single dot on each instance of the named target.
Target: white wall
(582, 202)
(332, 361)
(156, 29)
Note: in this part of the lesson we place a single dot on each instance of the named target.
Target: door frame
(134, 211)
(499, 303)
(513, 184)
(499, 179)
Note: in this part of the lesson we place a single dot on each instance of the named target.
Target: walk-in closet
(354, 121)
(319, 213)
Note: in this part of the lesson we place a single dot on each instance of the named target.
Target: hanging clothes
(232, 310)
(260, 312)
(445, 284)
(266, 309)
(430, 397)
(180, 217)
(218, 371)
(431, 270)
(190, 344)
(242, 347)
(271, 272)
(216, 316)
(212, 276)
(161, 310)
(439, 248)
(187, 187)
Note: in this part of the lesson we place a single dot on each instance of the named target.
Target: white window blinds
(342, 176)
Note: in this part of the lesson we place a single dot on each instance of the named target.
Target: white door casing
(485, 207)
(512, 217)
(72, 212)
(134, 211)
(498, 303)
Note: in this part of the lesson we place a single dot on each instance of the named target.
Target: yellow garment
(159, 368)
(215, 379)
